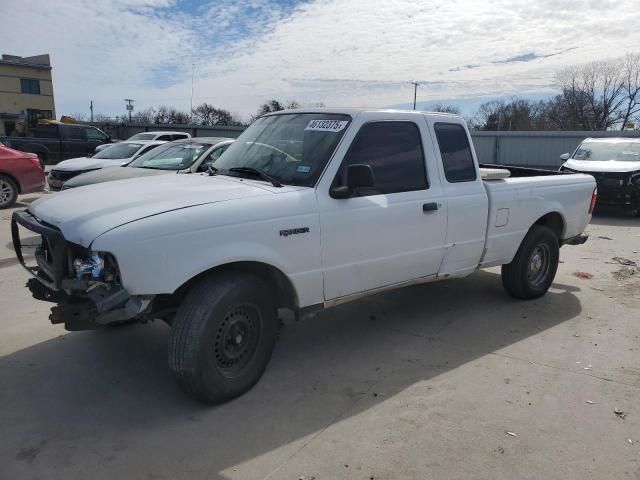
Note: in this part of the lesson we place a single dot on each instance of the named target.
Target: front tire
(222, 336)
(534, 266)
(8, 192)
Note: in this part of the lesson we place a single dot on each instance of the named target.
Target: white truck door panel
(467, 202)
(383, 237)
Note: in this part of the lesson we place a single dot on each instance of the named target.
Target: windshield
(143, 136)
(119, 151)
(174, 156)
(293, 148)
(621, 151)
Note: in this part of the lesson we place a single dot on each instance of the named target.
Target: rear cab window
(455, 151)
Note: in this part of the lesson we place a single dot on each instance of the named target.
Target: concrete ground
(420, 383)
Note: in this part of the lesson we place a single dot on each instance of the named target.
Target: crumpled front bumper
(81, 304)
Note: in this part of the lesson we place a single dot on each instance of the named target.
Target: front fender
(158, 254)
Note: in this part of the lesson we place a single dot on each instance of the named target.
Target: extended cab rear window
(455, 152)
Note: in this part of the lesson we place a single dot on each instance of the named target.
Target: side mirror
(358, 176)
(565, 156)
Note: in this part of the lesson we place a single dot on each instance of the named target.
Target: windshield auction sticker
(327, 125)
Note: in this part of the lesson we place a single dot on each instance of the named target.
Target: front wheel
(534, 266)
(8, 192)
(222, 336)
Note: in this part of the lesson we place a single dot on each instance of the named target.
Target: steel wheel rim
(539, 264)
(6, 192)
(236, 340)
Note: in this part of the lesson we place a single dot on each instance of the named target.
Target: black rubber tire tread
(195, 325)
(514, 274)
(13, 199)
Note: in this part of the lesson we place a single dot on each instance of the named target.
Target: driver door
(395, 231)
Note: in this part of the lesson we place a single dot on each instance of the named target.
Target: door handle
(429, 207)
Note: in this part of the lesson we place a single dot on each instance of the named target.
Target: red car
(20, 173)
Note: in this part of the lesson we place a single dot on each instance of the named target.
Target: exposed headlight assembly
(98, 266)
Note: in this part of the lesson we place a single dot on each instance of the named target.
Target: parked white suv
(306, 209)
(159, 135)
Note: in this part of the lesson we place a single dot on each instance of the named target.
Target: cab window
(394, 152)
(455, 152)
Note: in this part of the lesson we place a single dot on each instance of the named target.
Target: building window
(30, 86)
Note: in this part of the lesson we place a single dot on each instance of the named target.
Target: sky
(241, 53)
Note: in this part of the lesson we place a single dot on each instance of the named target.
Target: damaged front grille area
(52, 254)
(84, 297)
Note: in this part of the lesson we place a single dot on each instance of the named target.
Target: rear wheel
(222, 336)
(534, 266)
(8, 191)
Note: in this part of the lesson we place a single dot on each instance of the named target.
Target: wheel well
(15, 180)
(284, 290)
(553, 221)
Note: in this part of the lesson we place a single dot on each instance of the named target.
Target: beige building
(26, 93)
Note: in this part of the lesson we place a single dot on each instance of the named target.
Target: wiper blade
(258, 173)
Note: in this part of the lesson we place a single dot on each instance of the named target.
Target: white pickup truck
(307, 209)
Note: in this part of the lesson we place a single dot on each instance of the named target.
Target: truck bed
(529, 194)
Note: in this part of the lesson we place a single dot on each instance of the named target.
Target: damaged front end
(85, 285)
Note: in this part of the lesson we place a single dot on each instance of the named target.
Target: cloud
(361, 52)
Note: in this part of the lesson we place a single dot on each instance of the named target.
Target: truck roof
(355, 111)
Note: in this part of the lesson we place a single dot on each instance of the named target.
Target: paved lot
(419, 383)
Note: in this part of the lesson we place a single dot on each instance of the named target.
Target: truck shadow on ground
(104, 396)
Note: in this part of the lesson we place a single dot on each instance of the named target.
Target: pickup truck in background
(55, 141)
(307, 209)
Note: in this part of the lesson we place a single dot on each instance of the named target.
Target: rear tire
(8, 192)
(222, 336)
(534, 266)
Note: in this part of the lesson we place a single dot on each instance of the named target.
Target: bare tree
(515, 114)
(79, 116)
(170, 115)
(206, 114)
(439, 107)
(631, 88)
(144, 116)
(592, 95)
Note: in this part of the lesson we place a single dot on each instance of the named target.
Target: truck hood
(88, 163)
(82, 214)
(602, 166)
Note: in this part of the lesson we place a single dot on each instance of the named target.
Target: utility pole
(193, 68)
(129, 106)
(415, 92)
(91, 109)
